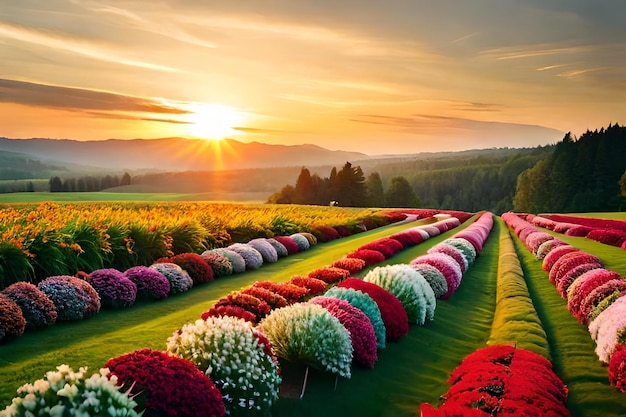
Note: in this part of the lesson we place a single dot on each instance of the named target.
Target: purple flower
(150, 282)
(114, 288)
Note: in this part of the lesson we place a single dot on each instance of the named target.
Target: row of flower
(594, 294)
(53, 239)
(609, 232)
(513, 376)
(65, 298)
(238, 356)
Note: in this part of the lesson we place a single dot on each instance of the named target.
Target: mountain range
(173, 154)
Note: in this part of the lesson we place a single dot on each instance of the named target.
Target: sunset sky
(379, 77)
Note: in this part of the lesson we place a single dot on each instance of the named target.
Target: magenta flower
(114, 288)
(37, 308)
(150, 282)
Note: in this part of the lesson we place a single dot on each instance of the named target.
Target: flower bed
(37, 308)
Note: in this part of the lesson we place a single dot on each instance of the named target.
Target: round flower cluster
(179, 280)
(434, 277)
(555, 254)
(220, 264)
(229, 352)
(302, 242)
(609, 329)
(535, 239)
(289, 244)
(310, 237)
(291, 292)
(447, 266)
(274, 300)
(12, 321)
(617, 368)
(248, 302)
(547, 246)
(198, 269)
(393, 314)
(236, 260)
(73, 298)
(452, 252)
(569, 261)
(583, 286)
(314, 285)
(388, 247)
(308, 333)
(352, 265)
(251, 256)
(410, 287)
(267, 251)
(150, 282)
(68, 393)
(358, 325)
(329, 274)
(280, 249)
(37, 308)
(367, 305)
(229, 310)
(462, 244)
(408, 238)
(114, 288)
(325, 233)
(156, 379)
(371, 257)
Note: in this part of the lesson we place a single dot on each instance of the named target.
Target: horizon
(380, 79)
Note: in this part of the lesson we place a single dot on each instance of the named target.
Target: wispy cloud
(119, 116)
(42, 95)
(531, 51)
(63, 41)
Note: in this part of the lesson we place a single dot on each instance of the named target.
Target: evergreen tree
(375, 191)
(125, 179)
(56, 185)
(401, 194)
(304, 191)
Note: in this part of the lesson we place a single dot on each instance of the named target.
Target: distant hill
(175, 154)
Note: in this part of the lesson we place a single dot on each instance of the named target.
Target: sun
(213, 121)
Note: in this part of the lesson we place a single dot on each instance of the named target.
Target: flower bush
(583, 286)
(292, 293)
(371, 257)
(246, 301)
(114, 288)
(289, 244)
(617, 368)
(569, 261)
(388, 247)
(231, 311)
(452, 252)
(410, 287)
(308, 333)
(325, 233)
(12, 321)
(150, 282)
(447, 266)
(391, 310)
(555, 254)
(463, 245)
(281, 250)
(473, 236)
(352, 265)
(310, 237)
(573, 230)
(179, 280)
(329, 274)
(343, 231)
(611, 237)
(251, 256)
(198, 269)
(65, 392)
(598, 295)
(273, 299)
(535, 239)
(314, 285)
(156, 380)
(566, 280)
(608, 328)
(302, 242)
(267, 251)
(219, 263)
(408, 238)
(502, 380)
(367, 305)
(434, 277)
(229, 352)
(359, 326)
(547, 246)
(73, 298)
(604, 303)
(236, 260)
(37, 308)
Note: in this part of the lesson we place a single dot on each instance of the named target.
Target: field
(409, 372)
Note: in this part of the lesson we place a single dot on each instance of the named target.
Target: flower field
(434, 316)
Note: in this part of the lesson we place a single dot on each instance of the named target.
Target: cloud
(43, 95)
(79, 45)
(118, 116)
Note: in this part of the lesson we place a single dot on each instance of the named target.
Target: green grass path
(409, 372)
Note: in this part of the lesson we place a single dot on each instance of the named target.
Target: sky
(378, 77)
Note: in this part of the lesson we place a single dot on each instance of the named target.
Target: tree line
(88, 183)
(347, 187)
(581, 175)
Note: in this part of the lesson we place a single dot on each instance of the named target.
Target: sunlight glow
(214, 121)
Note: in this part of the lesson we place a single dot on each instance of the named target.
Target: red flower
(12, 322)
(273, 299)
(314, 285)
(165, 385)
(292, 293)
(246, 301)
(371, 257)
(230, 310)
(288, 243)
(352, 265)
(555, 254)
(329, 274)
(388, 247)
(617, 368)
(393, 314)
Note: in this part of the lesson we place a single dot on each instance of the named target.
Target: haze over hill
(176, 154)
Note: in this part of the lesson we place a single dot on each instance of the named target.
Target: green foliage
(580, 175)
(401, 194)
